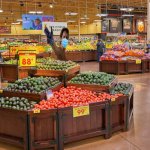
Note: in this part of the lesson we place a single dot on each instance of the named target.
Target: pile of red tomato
(73, 96)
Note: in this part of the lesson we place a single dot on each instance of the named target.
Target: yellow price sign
(27, 60)
(81, 111)
(113, 99)
(1, 91)
(138, 61)
(36, 111)
(14, 49)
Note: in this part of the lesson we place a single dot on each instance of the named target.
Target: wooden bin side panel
(74, 56)
(43, 130)
(146, 65)
(118, 114)
(9, 72)
(75, 129)
(13, 127)
(122, 67)
(133, 67)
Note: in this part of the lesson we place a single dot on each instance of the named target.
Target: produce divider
(124, 67)
(95, 88)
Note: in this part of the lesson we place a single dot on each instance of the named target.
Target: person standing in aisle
(59, 51)
(100, 49)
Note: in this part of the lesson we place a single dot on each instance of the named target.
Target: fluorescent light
(1, 10)
(35, 12)
(82, 22)
(14, 23)
(102, 15)
(127, 15)
(71, 21)
(71, 13)
(97, 20)
(19, 20)
(85, 18)
(127, 9)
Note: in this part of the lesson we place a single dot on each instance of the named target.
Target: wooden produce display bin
(74, 55)
(9, 72)
(73, 129)
(13, 127)
(29, 96)
(146, 65)
(88, 55)
(121, 112)
(134, 68)
(95, 88)
(108, 66)
(113, 67)
(43, 131)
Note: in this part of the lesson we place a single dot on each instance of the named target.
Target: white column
(148, 21)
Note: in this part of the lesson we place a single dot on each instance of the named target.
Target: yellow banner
(81, 111)
(15, 49)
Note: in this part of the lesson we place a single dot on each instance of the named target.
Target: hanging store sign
(56, 26)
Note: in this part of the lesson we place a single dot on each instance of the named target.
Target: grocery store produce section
(42, 106)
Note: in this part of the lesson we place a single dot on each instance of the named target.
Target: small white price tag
(49, 94)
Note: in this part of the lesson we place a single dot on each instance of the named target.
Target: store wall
(84, 29)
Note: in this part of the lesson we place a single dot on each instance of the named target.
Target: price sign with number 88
(27, 59)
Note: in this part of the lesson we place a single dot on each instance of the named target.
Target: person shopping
(59, 51)
(100, 49)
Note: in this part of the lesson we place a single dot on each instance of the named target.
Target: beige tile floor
(138, 137)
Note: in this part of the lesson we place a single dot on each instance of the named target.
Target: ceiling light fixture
(127, 9)
(35, 12)
(11, 12)
(102, 15)
(84, 18)
(71, 13)
(82, 22)
(127, 15)
(51, 5)
(71, 21)
(97, 20)
(1, 10)
(19, 20)
(15, 23)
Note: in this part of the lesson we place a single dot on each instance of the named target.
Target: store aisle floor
(138, 137)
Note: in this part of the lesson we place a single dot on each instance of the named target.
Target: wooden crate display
(9, 72)
(13, 127)
(80, 128)
(95, 88)
(121, 112)
(43, 131)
